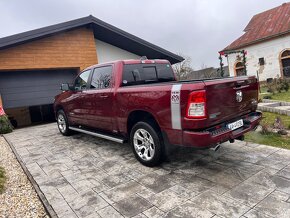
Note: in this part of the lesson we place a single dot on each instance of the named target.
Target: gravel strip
(19, 199)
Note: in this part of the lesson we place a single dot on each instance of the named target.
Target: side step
(100, 135)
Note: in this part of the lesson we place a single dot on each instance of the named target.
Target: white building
(267, 44)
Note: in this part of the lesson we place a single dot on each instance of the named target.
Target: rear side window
(134, 74)
(102, 78)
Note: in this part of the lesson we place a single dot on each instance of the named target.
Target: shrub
(282, 85)
(266, 129)
(267, 97)
(278, 85)
(278, 124)
(5, 126)
(2, 179)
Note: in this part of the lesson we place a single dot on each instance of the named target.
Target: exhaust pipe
(216, 148)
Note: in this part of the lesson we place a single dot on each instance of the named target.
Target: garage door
(29, 88)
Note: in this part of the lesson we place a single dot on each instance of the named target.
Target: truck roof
(132, 61)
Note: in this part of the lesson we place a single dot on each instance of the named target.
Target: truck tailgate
(226, 100)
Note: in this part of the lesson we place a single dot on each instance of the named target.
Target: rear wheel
(147, 144)
(62, 123)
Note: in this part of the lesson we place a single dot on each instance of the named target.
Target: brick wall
(72, 49)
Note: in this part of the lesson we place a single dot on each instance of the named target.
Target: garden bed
(18, 198)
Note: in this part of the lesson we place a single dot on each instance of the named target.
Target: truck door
(74, 103)
(98, 100)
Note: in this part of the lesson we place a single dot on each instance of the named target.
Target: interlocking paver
(84, 176)
(155, 182)
(132, 206)
(109, 211)
(275, 205)
(220, 205)
(248, 193)
(166, 200)
(189, 209)
(154, 212)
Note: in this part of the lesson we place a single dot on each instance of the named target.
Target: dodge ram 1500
(140, 101)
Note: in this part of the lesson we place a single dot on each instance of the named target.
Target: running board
(100, 135)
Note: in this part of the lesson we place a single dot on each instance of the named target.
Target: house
(33, 64)
(265, 44)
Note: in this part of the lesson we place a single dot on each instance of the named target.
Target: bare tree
(184, 68)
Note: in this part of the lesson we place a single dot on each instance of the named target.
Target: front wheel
(146, 143)
(62, 123)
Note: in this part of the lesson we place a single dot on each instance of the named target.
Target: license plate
(235, 125)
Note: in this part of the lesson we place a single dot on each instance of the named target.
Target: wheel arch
(141, 115)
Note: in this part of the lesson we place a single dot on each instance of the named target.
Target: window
(165, 72)
(102, 78)
(285, 62)
(240, 69)
(134, 74)
(82, 80)
(149, 74)
(261, 61)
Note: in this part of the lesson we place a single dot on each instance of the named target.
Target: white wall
(270, 50)
(107, 52)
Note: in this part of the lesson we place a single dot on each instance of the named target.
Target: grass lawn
(269, 118)
(272, 139)
(283, 96)
(2, 179)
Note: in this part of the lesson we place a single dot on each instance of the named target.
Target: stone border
(283, 103)
(274, 110)
(41, 196)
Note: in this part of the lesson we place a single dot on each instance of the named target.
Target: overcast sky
(198, 29)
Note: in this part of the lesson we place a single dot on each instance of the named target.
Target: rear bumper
(220, 133)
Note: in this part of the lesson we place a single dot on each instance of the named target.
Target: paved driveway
(84, 176)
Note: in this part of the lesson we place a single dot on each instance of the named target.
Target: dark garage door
(29, 88)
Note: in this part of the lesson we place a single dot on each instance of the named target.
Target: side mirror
(64, 87)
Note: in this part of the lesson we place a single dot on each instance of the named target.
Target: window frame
(141, 67)
(112, 82)
(239, 68)
(74, 85)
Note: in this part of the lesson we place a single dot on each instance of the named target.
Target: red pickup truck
(140, 101)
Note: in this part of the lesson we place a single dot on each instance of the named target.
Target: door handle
(241, 87)
(104, 96)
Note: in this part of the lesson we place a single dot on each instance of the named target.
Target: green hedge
(5, 126)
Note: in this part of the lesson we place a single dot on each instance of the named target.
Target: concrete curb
(274, 110)
(279, 107)
(41, 196)
(282, 103)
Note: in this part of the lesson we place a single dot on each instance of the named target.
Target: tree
(183, 69)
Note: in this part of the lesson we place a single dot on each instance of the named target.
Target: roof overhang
(102, 31)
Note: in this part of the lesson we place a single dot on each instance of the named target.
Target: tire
(147, 144)
(62, 123)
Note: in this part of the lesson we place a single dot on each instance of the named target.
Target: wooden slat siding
(72, 49)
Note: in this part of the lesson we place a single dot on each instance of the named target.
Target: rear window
(134, 74)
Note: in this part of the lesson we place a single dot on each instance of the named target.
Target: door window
(102, 78)
(82, 80)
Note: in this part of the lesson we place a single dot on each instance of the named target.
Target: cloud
(195, 28)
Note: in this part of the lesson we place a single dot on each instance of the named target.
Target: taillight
(196, 107)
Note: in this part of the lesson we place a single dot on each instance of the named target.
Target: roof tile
(265, 25)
